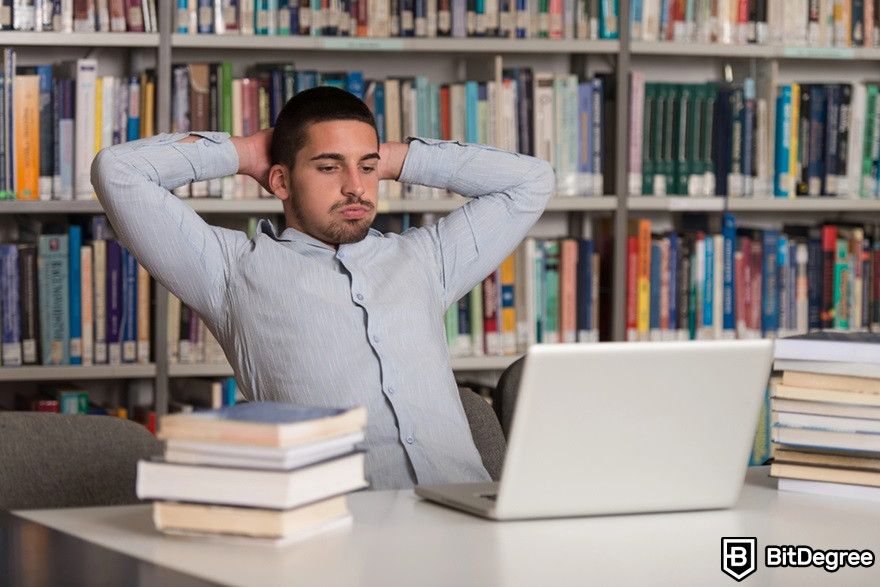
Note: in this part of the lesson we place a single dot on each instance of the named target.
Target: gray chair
(504, 398)
(486, 431)
(60, 460)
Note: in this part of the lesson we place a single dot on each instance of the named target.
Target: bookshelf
(622, 56)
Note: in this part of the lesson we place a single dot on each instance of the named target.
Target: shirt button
(410, 439)
(340, 255)
(360, 296)
(375, 339)
(390, 390)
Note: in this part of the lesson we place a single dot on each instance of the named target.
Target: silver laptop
(616, 428)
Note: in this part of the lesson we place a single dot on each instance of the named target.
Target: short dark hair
(320, 104)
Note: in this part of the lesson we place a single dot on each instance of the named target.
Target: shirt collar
(293, 235)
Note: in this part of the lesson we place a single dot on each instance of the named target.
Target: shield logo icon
(739, 557)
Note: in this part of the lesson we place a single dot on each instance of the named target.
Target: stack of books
(826, 414)
(259, 472)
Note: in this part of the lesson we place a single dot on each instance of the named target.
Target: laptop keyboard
(489, 496)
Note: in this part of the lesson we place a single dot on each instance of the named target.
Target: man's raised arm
(510, 192)
(133, 182)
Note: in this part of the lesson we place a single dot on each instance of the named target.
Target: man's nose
(353, 186)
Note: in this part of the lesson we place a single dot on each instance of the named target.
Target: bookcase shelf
(420, 45)
(716, 204)
(77, 372)
(51, 39)
(741, 51)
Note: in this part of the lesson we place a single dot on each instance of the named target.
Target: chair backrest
(504, 398)
(486, 431)
(60, 460)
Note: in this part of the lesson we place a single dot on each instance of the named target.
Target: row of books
(814, 23)
(744, 283)
(305, 460)
(546, 292)
(711, 139)
(188, 395)
(55, 118)
(80, 16)
(66, 301)
(189, 340)
(826, 140)
(698, 140)
(825, 415)
(558, 118)
(521, 19)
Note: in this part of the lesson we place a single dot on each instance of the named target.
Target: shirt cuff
(217, 154)
(425, 162)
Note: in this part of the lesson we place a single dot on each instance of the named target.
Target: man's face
(335, 181)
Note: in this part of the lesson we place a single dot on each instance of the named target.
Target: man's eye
(330, 168)
(368, 169)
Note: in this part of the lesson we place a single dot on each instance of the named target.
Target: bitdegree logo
(805, 556)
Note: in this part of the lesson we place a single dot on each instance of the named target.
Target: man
(331, 312)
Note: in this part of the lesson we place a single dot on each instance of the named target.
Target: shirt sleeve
(188, 256)
(509, 191)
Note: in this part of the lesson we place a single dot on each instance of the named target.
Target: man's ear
(278, 181)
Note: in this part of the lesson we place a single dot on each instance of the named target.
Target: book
(849, 347)
(825, 474)
(259, 457)
(829, 489)
(172, 517)
(165, 481)
(779, 404)
(837, 382)
(263, 424)
(815, 438)
(828, 368)
(823, 395)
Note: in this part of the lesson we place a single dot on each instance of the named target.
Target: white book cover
(246, 17)
(508, 116)
(87, 300)
(86, 77)
(456, 111)
(392, 126)
(565, 180)
(849, 186)
(103, 15)
(636, 141)
(108, 109)
(99, 289)
(544, 117)
(493, 128)
(571, 131)
(66, 16)
(431, 17)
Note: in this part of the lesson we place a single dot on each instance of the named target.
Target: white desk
(397, 539)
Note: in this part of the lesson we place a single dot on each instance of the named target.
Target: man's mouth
(353, 212)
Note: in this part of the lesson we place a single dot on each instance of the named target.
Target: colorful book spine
(114, 302)
(30, 328)
(128, 337)
(74, 236)
(52, 266)
(9, 299)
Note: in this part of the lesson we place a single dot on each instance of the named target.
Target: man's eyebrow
(341, 157)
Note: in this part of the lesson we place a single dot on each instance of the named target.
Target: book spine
(491, 328)
(54, 323)
(769, 280)
(99, 291)
(551, 289)
(656, 270)
(87, 299)
(632, 272)
(74, 239)
(477, 322)
(128, 336)
(840, 165)
(30, 329)
(114, 302)
(643, 290)
(508, 305)
(86, 80)
(583, 289)
(143, 315)
(9, 298)
(729, 301)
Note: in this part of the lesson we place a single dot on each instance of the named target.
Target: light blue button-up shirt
(303, 322)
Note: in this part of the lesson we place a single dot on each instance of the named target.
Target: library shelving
(622, 56)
